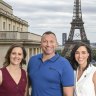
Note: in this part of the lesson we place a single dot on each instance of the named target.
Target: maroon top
(9, 86)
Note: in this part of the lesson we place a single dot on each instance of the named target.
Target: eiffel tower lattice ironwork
(77, 23)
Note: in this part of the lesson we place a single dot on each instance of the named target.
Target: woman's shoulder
(93, 67)
(0, 76)
(3, 69)
(24, 71)
(0, 72)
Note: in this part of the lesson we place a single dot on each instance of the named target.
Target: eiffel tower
(77, 23)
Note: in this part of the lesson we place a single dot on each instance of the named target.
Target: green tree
(94, 54)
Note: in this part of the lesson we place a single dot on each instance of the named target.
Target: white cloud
(55, 15)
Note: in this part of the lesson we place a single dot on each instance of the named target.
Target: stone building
(15, 30)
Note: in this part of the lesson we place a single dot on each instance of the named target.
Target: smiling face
(81, 56)
(16, 56)
(48, 44)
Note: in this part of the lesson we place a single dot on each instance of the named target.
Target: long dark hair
(7, 56)
(74, 63)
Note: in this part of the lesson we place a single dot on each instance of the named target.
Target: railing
(19, 35)
(9, 35)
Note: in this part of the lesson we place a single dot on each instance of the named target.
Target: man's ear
(40, 45)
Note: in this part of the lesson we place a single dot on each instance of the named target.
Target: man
(49, 73)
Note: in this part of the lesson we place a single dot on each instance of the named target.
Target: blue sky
(55, 15)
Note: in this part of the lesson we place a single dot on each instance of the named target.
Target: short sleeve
(67, 78)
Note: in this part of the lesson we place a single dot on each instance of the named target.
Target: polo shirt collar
(53, 59)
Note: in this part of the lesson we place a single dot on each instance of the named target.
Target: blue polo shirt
(47, 78)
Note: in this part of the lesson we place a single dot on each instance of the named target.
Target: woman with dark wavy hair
(13, 79)
(85, 72)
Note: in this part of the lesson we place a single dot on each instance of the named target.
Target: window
(13, 27)
(21, 29)
(4, 26)
(17, 28)
(9, 27)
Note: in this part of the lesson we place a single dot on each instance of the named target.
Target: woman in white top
(85, 73)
